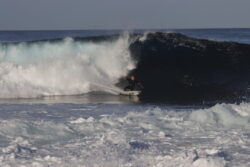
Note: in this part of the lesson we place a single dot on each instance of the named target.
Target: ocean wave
(64, 67)
(170, 66)
(178, 68)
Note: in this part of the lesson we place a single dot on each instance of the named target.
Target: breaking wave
(63, 67)
(171, 67)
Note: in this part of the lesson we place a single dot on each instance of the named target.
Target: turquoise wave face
(64, 67)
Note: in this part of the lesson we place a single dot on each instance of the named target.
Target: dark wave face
(175, 67)
(172, 67)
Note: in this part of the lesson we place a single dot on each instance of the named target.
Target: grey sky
(123, 14)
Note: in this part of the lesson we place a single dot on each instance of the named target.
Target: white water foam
(126, 136)
(65, 67)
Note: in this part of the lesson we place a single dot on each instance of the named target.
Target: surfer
(133, 84)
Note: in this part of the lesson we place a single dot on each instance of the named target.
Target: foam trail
(112, 89)
(66, 67)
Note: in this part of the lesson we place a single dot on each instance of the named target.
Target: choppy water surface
(119, 133)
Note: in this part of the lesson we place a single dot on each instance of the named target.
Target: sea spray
(66, 67)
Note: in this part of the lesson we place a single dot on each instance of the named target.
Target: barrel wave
(178, 68)
(63, 67)
(170, 66)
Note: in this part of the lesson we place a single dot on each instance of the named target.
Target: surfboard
(130, 93)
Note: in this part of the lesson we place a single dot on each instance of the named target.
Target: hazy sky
(123, 14)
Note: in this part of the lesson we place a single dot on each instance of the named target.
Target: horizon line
(136, 29)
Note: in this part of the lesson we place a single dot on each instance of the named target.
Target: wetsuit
(132, 85)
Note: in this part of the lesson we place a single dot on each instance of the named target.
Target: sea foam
(66, 67)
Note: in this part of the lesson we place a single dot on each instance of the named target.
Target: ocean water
(236, 35)
(60, 106)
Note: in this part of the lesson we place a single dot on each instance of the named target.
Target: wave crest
(65, 67)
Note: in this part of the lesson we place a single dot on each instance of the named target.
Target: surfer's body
(133, 84)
